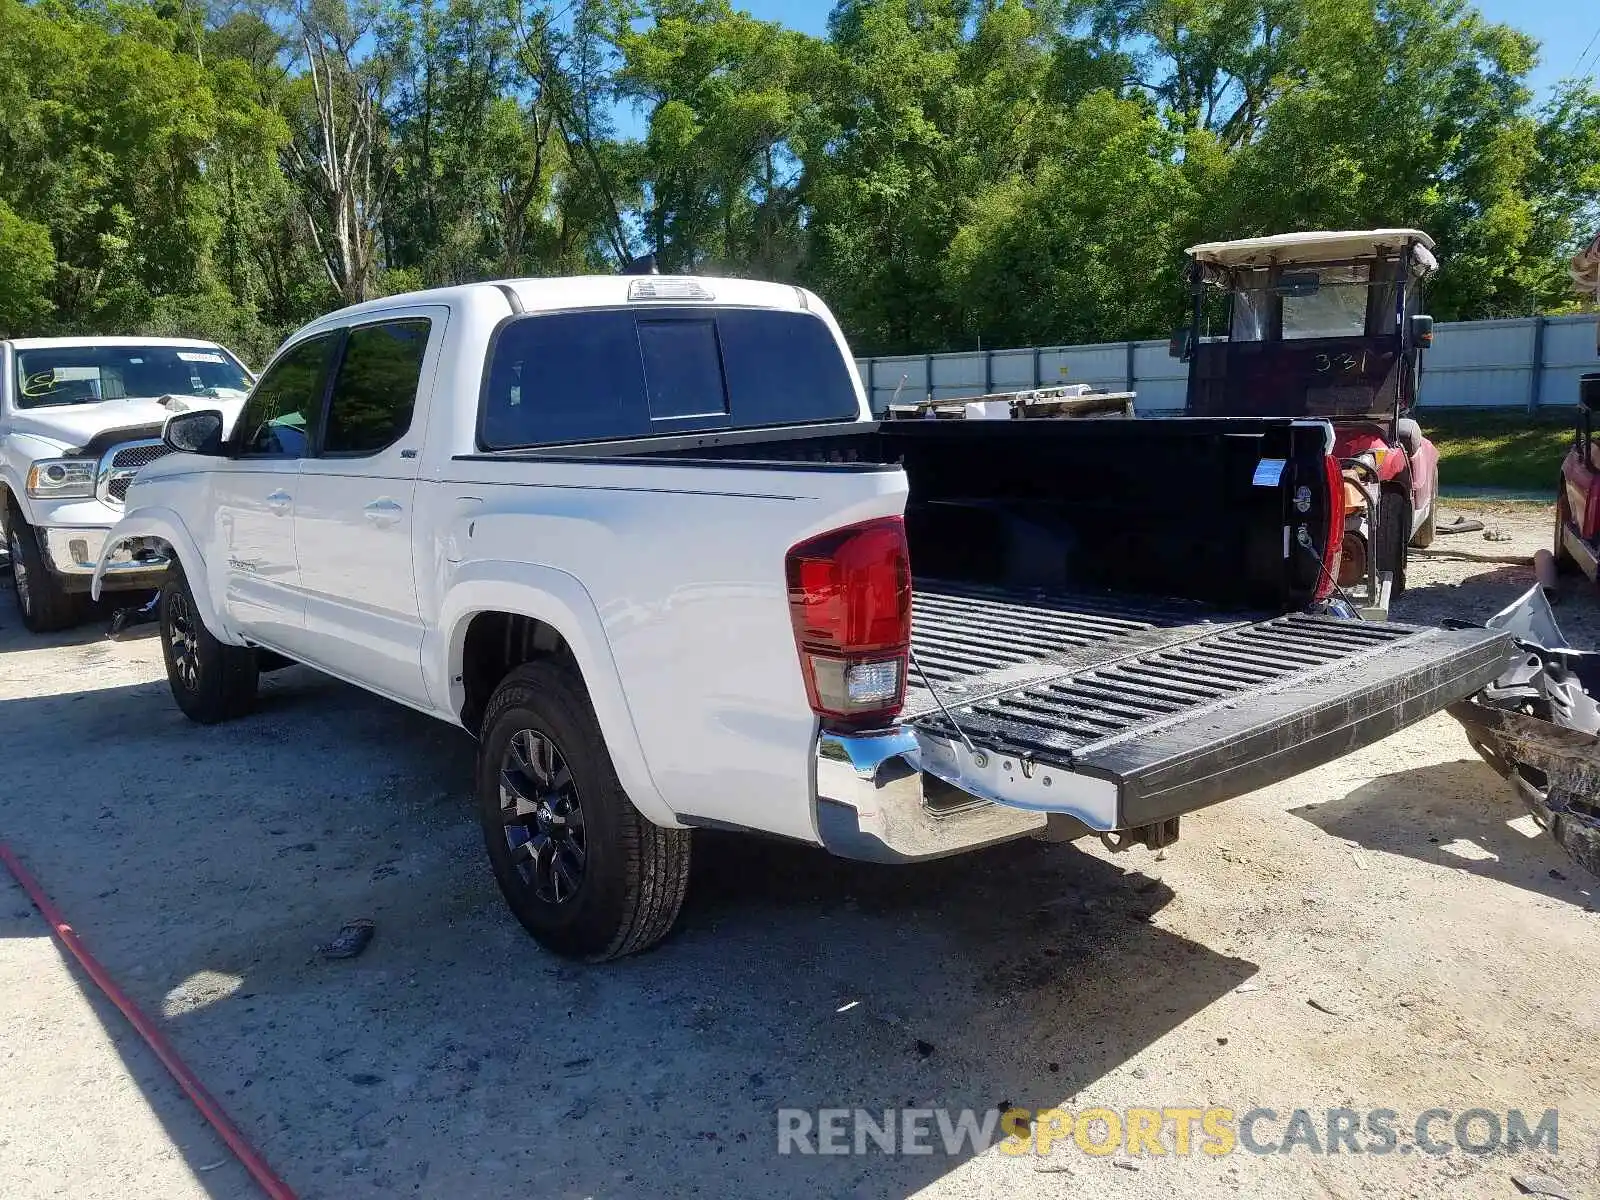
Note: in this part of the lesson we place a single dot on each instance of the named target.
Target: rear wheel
(211, 680)
(581, 868)
(1565, 563)
(44, 604)
(1423, 537)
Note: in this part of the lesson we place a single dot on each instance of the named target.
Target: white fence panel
(1159, 379)
(1569, 351)
(1521, 363)
(1479, 364)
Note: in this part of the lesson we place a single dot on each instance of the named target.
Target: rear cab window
(375, 392)
(608, 373)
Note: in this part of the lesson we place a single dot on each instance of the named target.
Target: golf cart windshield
(1305, 339)
(1316, 302)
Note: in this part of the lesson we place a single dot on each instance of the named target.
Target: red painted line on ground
(154, 1038)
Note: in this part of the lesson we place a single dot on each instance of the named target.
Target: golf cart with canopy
(1328, 326)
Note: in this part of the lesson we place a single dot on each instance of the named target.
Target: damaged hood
(73, 426)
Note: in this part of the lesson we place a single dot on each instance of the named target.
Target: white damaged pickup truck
(644, 540)
(78, 417)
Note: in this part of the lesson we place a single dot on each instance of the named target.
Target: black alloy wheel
(542, 817)
(184, 642)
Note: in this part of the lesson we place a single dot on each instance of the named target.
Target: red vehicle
(1328, 325)
(1578, 499)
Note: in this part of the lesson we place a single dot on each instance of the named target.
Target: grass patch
(1509, 450)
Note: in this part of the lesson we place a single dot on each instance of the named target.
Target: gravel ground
(1382, 932)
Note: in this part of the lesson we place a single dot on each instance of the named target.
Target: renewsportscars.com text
(1169, 1130)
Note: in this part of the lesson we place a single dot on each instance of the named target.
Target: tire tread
(229, 674)
(655, 859)
(53, 607)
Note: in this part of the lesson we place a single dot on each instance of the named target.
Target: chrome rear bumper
(876, 803)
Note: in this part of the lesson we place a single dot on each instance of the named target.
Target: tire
(45, 606)
(1423, 537)
(1394, 519)
(1565, 563)
(584, 872)
(210, 680)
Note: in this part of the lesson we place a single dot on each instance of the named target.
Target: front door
(353, 508)
(255, 569)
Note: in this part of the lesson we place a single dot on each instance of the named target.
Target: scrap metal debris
(1538, 725)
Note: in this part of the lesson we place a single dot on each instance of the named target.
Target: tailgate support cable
(937, 699)
(1304, 542)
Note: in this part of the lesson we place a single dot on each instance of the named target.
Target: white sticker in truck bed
(1268, 472)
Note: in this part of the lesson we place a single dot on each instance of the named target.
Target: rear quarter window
(600, 374)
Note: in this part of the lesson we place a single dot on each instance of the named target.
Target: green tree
(944, 172)
(27, 265)
(730, 106)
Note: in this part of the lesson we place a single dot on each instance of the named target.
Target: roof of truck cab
(44, 343)
(588, 291)
(1319, 245)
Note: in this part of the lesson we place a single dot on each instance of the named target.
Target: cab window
(280, 414)
(375, 390)
(597, 374)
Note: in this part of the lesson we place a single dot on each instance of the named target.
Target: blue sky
(1562, 27)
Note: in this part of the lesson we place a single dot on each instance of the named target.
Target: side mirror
(197, 432)
(1422, 331)
(1589, 391)
(1178, 347)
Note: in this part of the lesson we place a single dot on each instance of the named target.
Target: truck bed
(1176, 705)
(1052, 669)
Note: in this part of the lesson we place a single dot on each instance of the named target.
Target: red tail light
(1335, 541)
(850, 601)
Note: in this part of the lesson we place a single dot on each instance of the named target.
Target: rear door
(1126, 714)
(354, 522)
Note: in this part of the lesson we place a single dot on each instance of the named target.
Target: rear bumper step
(1129, 726)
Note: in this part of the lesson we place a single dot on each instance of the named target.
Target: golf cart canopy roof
(1317, 246)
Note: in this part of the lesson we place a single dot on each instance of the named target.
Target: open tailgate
(1125, 716)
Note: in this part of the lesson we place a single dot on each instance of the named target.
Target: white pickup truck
(78, 417)
(643, 538)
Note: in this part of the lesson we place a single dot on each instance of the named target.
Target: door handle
(382, 512)
(279, 501)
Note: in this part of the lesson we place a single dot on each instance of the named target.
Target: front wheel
(581, 868)
(211, 680)
(44, 604)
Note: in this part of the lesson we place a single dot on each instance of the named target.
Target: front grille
(121, 463)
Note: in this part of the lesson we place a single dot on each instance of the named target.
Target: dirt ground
(1384, 932)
